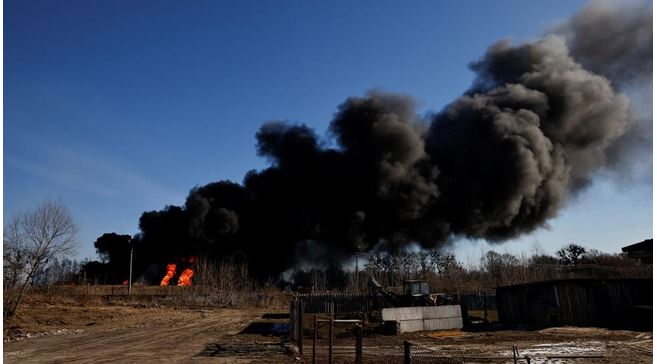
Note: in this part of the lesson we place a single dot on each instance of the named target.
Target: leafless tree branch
(30, 240)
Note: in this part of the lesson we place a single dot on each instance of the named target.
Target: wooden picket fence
(335, 303)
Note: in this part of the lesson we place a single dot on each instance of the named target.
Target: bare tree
(571, 254)
(31, 240)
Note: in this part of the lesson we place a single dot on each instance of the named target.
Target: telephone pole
(130, 275)
(357, 285)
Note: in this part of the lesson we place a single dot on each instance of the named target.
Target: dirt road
(143, 335)
(85, 333)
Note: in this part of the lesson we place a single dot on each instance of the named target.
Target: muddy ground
(94, 331)
(491, 343)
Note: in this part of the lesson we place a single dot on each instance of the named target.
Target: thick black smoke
(533, 129)
(540, 120)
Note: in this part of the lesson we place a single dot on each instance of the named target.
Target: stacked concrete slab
(409, 319)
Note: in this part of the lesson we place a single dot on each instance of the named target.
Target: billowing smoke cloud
(540, 120)
(613, 40)
(533, 129)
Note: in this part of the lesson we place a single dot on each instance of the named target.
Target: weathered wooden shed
(641, 251)
(578, 302)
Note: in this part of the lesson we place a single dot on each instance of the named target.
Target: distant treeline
(441, 268)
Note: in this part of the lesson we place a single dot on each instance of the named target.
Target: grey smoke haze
(613, 39)
(539, 122)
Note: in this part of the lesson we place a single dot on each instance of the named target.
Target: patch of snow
(539, 352)
(29, 335)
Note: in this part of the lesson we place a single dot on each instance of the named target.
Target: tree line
(493, 269)
(38, 245)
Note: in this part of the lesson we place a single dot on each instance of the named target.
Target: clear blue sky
(118, 107)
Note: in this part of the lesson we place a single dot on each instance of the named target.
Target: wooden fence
(295, 326)
(578, 302)
(335, 303)
(481, 300)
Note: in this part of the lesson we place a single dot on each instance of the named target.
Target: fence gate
(330, 322)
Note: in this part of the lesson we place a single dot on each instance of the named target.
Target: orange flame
(186, 277)
(171, 271)
(125, 283)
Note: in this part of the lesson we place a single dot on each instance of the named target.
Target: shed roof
(572, 281)
(645, 245)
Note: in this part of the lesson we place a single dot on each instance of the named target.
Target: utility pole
(357, 285)
(130, 276)
(358, 254)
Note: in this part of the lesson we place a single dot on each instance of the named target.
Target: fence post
(290, 327)
(315, 339)
(333, 307)
(485, 318)
(407, 352)
(359, 344)
(330, 348)
(300, 333)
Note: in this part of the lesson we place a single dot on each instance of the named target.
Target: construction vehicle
(415, 293)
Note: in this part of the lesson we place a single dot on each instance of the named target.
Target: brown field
(92, 328)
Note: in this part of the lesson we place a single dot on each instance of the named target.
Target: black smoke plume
(538, 123)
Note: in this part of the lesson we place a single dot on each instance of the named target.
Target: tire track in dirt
(177, 339)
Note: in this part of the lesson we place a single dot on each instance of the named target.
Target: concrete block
(411, 319)
(424, 312)
(410, 326)
(455, 323)
(401, 313)
(436, 312)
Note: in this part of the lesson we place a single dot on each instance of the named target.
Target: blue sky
(118, 107)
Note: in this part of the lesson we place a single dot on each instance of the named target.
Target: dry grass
(197, 296)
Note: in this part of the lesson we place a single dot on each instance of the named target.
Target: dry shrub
(215, 284)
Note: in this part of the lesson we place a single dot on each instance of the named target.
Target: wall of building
(578, 302)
